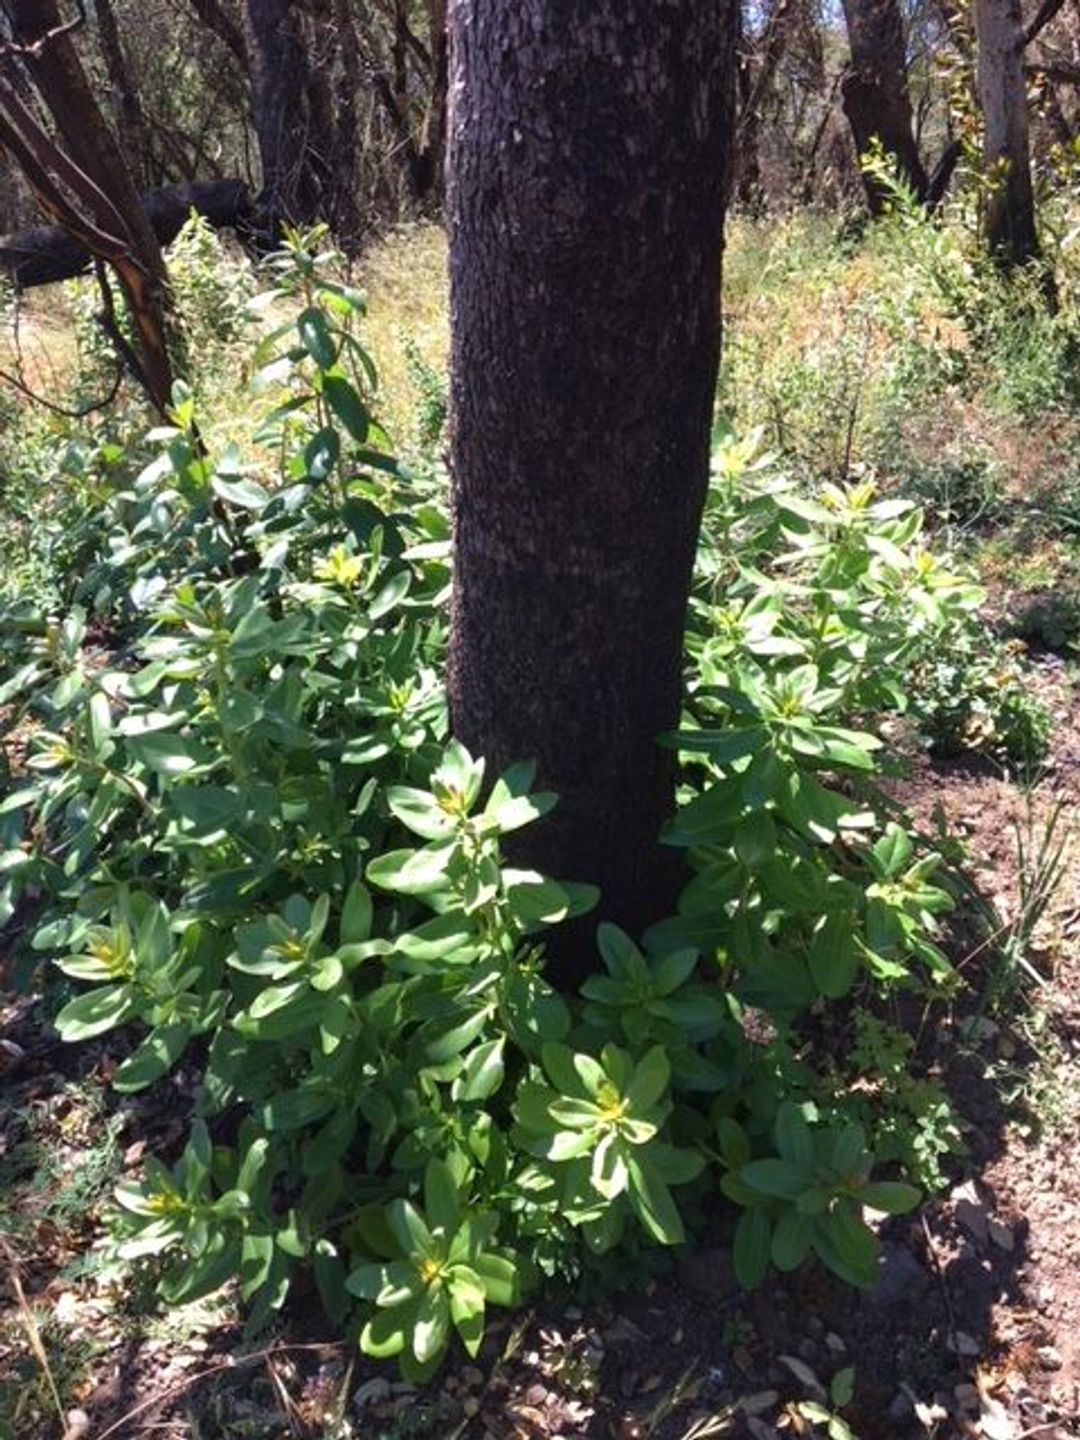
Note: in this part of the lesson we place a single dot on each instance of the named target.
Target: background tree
(587, 170)
(875, 93)
(1009, 209)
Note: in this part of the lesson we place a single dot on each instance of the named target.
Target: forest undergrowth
(284, 1077)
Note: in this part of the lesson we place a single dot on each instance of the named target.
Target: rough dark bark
(587, 167)
(127, 106)
(48, 253)
(875, 94)
(277, 65)
(218, 19)
(756, 71)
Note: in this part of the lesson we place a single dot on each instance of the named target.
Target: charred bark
(277, 64)
(588, 157)
(875, 94)
(127, 106)
(47, 253)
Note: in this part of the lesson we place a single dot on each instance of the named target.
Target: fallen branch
(46, 253)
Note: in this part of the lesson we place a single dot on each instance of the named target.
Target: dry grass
(404, 277)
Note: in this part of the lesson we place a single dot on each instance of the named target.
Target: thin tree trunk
(127, 105)
(875, 94)
(588, 159)
(277, 65)
(1009, 209)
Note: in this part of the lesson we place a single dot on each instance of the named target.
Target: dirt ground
(973, 1329)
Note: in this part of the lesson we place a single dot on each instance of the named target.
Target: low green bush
(252, 847)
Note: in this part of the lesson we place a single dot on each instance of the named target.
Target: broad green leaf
(316, 337)
(347, 406)
(499, 1277)
(409, 1229)
(891, 1196)
(751, 1251)
(651, 1200)
(431, 1328)
(483, 1073)
(775, 1177)
(154, 1058)
(96, 1011)
(791, 1239)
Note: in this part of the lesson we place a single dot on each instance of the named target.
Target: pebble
(899, 1274)
(1049, 1358)
(78, 1424)
(900, 1408)
(963, 1343)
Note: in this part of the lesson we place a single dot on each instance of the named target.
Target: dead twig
(241, 1362)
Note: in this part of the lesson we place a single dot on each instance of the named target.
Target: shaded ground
(973, 1330)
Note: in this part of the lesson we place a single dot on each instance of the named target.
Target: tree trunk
(1009, 208)
(588, 155)
(127, 107)
(875, 94)
(277, 65)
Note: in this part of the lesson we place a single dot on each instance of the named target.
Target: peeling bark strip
(589, 144)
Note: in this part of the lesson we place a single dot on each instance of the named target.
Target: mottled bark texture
(588, 157)
(1009, 209)
(290, 153)
(875, 93)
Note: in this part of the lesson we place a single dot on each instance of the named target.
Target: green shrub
(255, 844)
(974, 697)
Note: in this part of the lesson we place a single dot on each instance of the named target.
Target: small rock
(900, 1408)
(835, 1343)
(1049, 1358)
(372, 1392)
(78, 1424)
(962, 1343)
(900, 1276)
(971, 1212)
(759, 1403)
(994, 1421)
